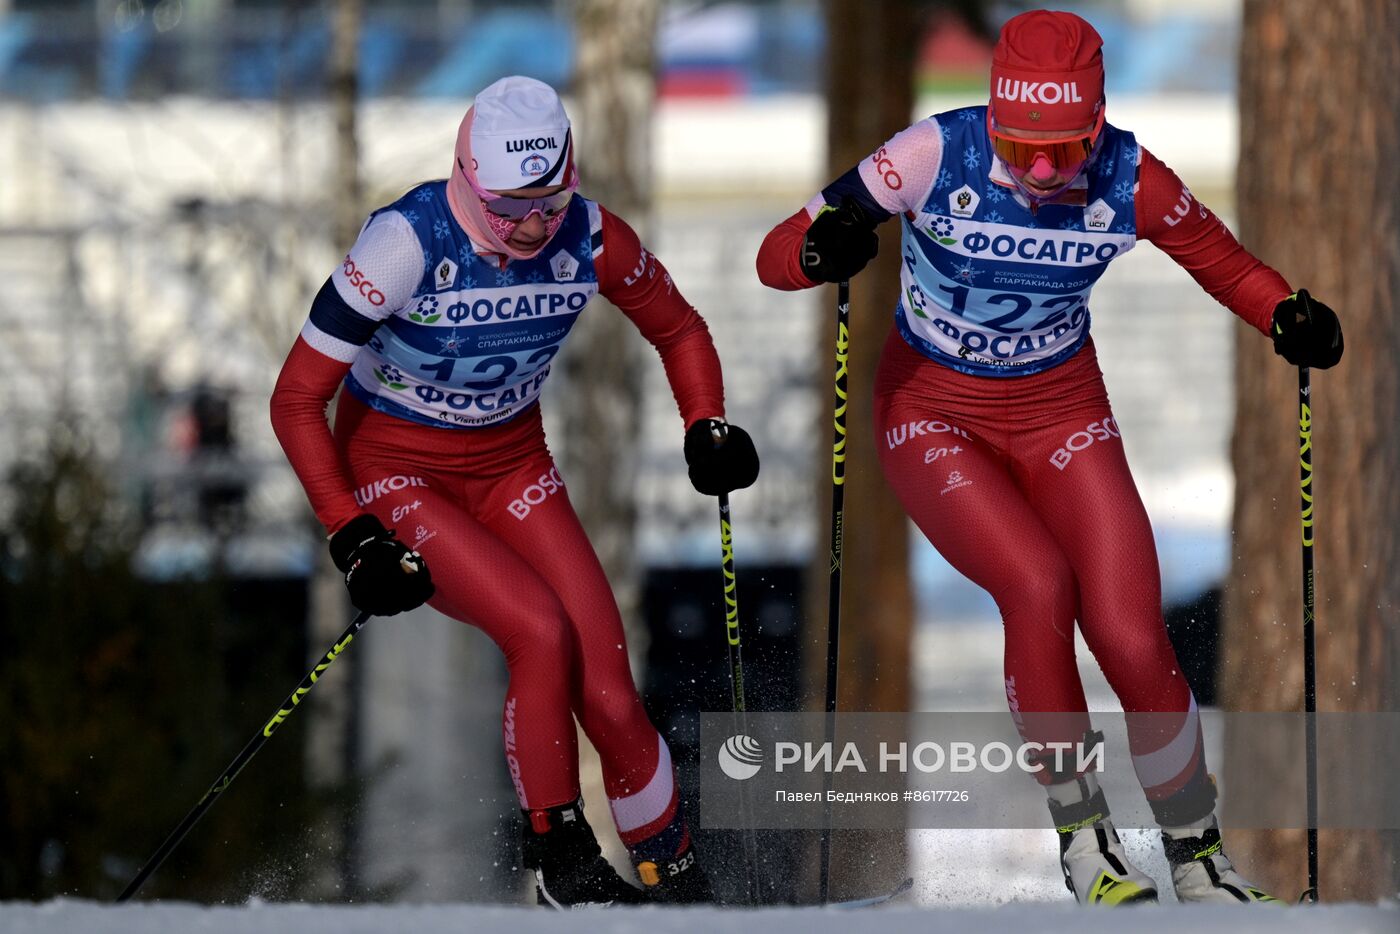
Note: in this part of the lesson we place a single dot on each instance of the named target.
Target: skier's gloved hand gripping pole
(369, 557)
(1307, 334)
(839, 243)
(721, 458)
(384, 576)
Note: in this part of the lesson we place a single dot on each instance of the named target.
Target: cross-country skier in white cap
(441, 324)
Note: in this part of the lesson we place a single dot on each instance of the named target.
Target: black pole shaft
(250, 750)
(736, 684)
(838, 515)
(731, 613)
(1309, 616)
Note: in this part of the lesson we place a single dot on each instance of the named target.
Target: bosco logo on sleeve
(359, 282)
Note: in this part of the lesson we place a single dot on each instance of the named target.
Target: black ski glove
(1306, 332)
(721, 457)
(839, 243)
(384, 576)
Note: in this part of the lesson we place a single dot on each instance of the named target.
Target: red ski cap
(1047, 72)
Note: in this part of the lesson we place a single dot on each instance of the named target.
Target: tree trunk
(600, 414)
(1320, 139)
(345, 95)
(870, 57)
(334, 750)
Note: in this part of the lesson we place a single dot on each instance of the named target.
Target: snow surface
(174, 918)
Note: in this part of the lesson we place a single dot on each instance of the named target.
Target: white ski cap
(520, 136)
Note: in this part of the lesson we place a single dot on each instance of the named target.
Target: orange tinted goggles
(1064, 152)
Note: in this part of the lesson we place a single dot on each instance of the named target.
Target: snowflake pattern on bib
(474, 343)
(992, 288)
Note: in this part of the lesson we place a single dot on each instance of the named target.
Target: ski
(874, 900)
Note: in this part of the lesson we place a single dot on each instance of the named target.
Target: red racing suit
(442, 351)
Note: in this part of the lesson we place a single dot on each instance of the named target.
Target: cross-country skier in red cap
(1009, 214)
(441, 325)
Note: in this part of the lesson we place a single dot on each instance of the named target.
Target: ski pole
(838, 508)
(1309, 617)
(736, 679)
(230, 773)
(731, 615)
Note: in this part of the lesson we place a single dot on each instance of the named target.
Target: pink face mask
(505, 229)
(504, 214)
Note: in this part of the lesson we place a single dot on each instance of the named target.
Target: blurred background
(179, 177)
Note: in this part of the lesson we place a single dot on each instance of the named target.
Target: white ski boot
(1201, 872)
(1096, 867)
